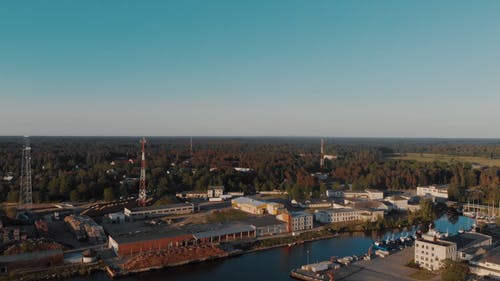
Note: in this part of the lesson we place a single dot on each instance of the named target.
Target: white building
(301, 221)
(297, 221)
(399, 202)
(118, 217)
(430, 252)
(346, 215)
(439, 193)
(215, 191)
(192, 195)
(374, 194)
(256, 207)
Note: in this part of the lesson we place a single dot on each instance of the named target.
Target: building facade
(215, 191)
(430, 252)
(439, 193)
(256, 207)
(347, 215)
(158, 211)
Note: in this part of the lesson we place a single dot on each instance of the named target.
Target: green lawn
(430, 157)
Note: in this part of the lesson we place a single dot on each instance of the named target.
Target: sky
(250, 68)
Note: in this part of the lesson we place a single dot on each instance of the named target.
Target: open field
(429, 157)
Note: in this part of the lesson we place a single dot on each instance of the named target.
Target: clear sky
(250, 68)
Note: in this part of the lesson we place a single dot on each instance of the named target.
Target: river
(274, 264)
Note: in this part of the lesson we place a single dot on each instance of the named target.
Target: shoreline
(69, 271)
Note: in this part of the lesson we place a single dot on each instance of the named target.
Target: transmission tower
(142, 182)
(25, 190)
(322, 159)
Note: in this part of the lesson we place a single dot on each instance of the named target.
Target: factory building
(135, 237)
(232, 233)
(256, 207)
(10, 264)
(158, 211)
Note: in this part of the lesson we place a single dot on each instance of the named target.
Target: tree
(454, 271)
(74, 196)
(427, 210)
(109, 194)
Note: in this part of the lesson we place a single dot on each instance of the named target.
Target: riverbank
(230, 250)
(56, 273)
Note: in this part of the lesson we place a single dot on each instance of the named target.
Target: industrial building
(83, 227)
(158, 211)
(192, 195)
(10, 264)
(136, 237)
(231, 233)
(256, 207)
(267, 225)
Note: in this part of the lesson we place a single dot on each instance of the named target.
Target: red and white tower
(142, 182)
(322, 160)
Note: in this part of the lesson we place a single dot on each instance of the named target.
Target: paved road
(380, 269)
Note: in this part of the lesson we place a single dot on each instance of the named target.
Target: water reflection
(275, 264)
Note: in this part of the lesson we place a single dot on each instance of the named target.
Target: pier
(484, 210)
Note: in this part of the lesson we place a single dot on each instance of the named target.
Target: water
(275, 264)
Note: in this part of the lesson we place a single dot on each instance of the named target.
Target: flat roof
(140, 231)
(249, 201)
(493, 256)
(438, 242)
(160, 207)
(466, 240)
(224, 231)
(30, 255)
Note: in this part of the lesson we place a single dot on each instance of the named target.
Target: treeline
(83, 169)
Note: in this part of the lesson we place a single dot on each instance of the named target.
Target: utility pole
(25, 190)
(142, 182)
(322, 160)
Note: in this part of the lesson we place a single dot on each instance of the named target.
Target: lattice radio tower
(322, 159)
(142, 182)
(25, 190)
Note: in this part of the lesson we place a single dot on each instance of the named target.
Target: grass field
(428, 157)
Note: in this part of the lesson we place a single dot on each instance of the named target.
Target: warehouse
(33, 260)
(135, 237)
(158, 211)
(232, 233)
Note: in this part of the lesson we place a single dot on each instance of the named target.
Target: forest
(81, 169)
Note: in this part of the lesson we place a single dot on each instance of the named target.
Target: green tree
(13, 196)
(74, 196)
(427, 210)
(109, 194)
(454, 271)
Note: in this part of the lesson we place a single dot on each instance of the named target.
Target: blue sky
(273, 68)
